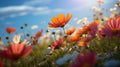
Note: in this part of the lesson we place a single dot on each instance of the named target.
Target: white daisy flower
(113, 9)
(16, 39)
(82, 21)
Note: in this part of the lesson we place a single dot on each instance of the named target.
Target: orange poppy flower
(59, 21)
(86, 28)
(83, 30)
(74, 38)
(80, 31)
(94, 22)
(70, 31)
(10, 30)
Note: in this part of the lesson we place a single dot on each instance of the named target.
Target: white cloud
(37, 2)
(84, 2)
(9, 23)
(13, 11)
(58, 10)
(28, 7)
(34, 27)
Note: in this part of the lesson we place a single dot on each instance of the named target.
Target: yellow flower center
(86, 65)
(115, 30)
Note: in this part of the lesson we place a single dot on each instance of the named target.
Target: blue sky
(14, 13)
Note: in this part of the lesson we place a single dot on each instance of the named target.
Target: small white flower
(70, 49)
(78, 22)
(82, 21)
(113, 9)
(106, 18)
(113, 14)
(64, 48)
(45, 38)
(96, 9)
(16, 39)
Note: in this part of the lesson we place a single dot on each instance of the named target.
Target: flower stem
(54, 37)
(64, 30)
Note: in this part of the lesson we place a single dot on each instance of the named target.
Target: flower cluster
(94, 44)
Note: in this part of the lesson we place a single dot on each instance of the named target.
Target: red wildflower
(15, 51)
(57, 43)
(10, 30)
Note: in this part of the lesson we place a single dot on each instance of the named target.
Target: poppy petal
(26, 51)
(55, 20)
(68, 17)
(61, 18)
